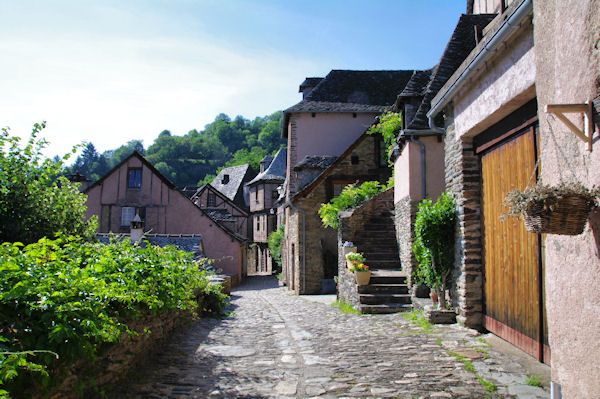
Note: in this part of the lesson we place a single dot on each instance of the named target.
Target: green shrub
(274, 241)
(433, 245)
(350, 197)
(34, 200)
(74, 297)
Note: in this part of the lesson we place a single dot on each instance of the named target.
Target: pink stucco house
(537, 291)
(135, 187)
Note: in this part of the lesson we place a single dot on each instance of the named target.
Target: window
(134, 178)
(274, 195)
(211, 200)
(127, 215)
(258, 223)
(354, 159)
(129, 212)
(225, 179)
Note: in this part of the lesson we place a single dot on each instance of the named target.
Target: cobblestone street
(276, 345)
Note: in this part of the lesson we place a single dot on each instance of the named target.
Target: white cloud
(110, 90)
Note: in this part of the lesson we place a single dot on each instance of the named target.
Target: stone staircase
(387, 291)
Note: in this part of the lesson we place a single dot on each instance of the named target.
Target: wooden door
(513, 285)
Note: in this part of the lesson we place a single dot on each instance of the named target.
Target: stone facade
(351, 223)
(315, 259)
(405, 211)
(463, 181)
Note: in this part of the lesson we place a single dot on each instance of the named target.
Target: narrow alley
(277, 345)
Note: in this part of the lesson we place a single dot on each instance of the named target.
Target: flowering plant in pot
(354, 258)
(559, 209)
(361, 272)
(348, 247)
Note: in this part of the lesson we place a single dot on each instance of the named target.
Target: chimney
(308, 85)
(136, 229)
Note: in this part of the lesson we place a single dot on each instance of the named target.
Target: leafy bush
(74, 297)
(433, 245)
(350, 197)
(274, 241)
(34, 201)
(388, 125)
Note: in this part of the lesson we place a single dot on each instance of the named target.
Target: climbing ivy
(388, 125)
(350, 197)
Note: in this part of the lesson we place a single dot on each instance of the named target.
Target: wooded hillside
(195, 158)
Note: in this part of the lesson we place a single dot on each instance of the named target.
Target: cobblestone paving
(276, 345)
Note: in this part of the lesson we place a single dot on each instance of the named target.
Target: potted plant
(560, 209)
(433, 245)
(354, 258)
(361, 272)
(348, 247)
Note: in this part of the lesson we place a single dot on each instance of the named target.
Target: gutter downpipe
(290, 204)
(510, 25)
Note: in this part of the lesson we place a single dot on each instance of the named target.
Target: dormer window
(134, 178)
(225, 179)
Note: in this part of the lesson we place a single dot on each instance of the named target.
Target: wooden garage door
(514, 308)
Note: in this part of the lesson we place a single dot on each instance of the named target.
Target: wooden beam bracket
(588, 124)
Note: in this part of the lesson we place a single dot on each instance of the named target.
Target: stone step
(390, 264)
(386, 280)
(384, 308)
(391, 254)
(383, 289)
(378, 299)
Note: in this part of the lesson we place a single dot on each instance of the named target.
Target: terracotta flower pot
(362, 278)
(434, 296)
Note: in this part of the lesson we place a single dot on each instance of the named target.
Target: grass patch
(416, 317)
(533, 380)
(345, 307)
(483, 341)
(487, 385)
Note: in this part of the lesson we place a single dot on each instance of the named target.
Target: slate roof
(461, 42)
(360, 87)
(275, 173)
(233, 189)
(351, 91)
(309, 82)
(221, 215)
(417, 85)
(315, 162)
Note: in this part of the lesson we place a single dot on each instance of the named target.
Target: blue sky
(113, 71)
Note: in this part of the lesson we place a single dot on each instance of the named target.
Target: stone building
(135, 187)
(419, 152)
(333, 113)
(499, 136)
(263, 197)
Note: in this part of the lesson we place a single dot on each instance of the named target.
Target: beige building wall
(567, 50)
(505, 84)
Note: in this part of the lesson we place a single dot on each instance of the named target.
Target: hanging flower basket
(561, 209)
(568, 217)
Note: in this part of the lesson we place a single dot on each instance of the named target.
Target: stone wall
(463, 181)
(185, 242)
(405, 212)
(351, 223)
(118, 359)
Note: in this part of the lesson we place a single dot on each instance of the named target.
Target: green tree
(274, 241)
(35, 200)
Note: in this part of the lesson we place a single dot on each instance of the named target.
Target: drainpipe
(290, 204)
(500, 36)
